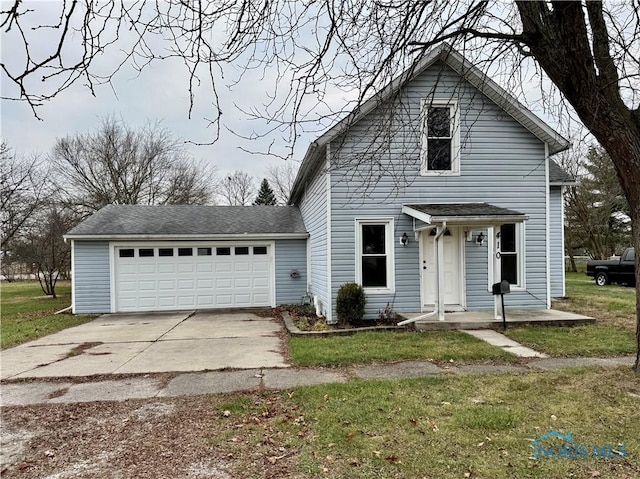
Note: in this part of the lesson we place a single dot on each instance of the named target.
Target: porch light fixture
(404, 240)
(480, 238)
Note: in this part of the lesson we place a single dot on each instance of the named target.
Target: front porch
(486, 320)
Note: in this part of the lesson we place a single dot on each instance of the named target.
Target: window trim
(494, 267)
(389, 252)
(455, 137)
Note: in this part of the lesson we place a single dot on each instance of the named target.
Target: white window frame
(494, 263)
(454, 115)
(389, 251)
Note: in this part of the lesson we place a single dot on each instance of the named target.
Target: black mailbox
(502, 287)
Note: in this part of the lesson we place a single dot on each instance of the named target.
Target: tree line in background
(41, 198)
(597, 214)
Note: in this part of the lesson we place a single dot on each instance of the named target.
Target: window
(165, 251)
(242, 250)
(145, 252)
(204, 251)
(440, 140)
(185, 251)
(223, 251)
(508, 254)
(126, 253)
(259, 250)
(374, 250)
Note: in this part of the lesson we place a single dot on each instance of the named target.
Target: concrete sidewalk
(215, 382)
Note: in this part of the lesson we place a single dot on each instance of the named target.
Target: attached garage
(157, 258)
(151, 277)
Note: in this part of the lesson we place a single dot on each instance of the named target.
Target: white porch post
(439, 245)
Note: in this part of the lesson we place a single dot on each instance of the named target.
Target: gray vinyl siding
(557, 248)
(91, 277)
(376, 169)
(290, 255)
(314, 214)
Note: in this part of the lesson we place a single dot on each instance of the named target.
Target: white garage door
(153, 278)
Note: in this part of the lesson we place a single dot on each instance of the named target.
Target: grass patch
(590, 340)
(26, 313)
(610, 305)
(466, 426)
(386, 346)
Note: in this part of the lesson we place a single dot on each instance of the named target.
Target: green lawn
(439, 427)
(610, 305)
(590, 340)
(374, 346)
(26, 313)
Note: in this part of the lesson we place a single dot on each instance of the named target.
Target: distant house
(435, 189)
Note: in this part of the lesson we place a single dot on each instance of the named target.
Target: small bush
(350, 303)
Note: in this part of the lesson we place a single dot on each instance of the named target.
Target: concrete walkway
(494, 338)
(214, 382)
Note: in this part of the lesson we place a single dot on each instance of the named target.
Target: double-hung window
(440, 138)
(374, 255)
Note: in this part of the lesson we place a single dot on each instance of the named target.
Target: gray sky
(160, 92)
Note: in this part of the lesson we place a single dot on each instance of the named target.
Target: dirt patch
(173, 437)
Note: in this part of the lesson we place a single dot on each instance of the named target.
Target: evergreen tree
(265, 195)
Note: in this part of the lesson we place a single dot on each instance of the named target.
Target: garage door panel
(229, 279)
(224, 267)
(261, 298)
(242, 283)
(205, 267)
(164, 268)
(260, 267)
(186, 268)
(147, 285)
(224, 283)
(166, 285)
(148, 302)
(242, 299)
(167, 302)
(204, 284)
(260, 282)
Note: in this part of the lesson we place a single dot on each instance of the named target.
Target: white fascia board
(199, 237)
(419, 215)
(483, 220)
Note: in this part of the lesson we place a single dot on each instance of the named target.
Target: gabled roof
(191, 222)
(445, 53)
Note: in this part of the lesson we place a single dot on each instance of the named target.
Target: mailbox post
(502, 288)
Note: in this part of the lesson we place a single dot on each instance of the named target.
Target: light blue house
(435, 189)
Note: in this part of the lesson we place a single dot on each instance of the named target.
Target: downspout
(439, 306)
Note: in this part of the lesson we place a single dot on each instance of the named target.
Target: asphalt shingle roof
(558, 175)
(181, 220)
(463, 209)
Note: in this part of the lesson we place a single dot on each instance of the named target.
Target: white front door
(451, 269)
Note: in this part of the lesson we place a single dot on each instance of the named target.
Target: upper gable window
(440, 138)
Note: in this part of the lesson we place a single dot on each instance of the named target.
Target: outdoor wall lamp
(404, 240)
(480, 238)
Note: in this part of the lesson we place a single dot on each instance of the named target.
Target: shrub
(350, 303)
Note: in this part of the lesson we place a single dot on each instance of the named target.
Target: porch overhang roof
(463, 214)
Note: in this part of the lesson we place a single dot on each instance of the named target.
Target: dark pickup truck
(619, 270)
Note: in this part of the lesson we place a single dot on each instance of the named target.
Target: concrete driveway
(150, 343)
